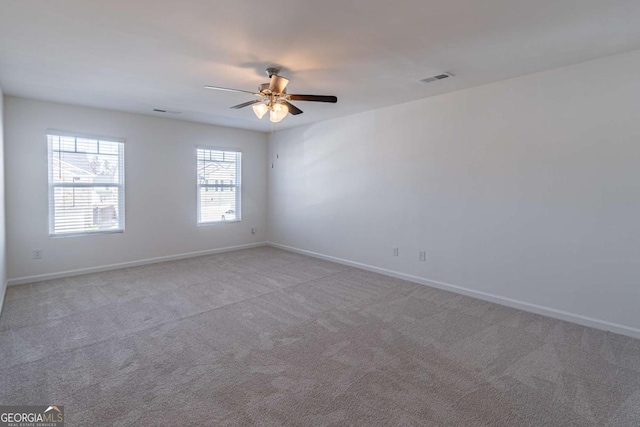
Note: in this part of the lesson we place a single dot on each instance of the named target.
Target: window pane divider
(218, 186)
(85, 185)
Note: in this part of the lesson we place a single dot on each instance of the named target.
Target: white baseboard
(80, 271)
(521, 305)
(2, 295)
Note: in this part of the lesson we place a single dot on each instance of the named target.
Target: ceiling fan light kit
(260, 110)
(278, 112)
(273, 98)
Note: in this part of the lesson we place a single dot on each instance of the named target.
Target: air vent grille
(160, 110)
(437, 77)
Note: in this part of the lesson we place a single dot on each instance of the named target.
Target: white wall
(160, 188)
(527, 189)
(3, 252)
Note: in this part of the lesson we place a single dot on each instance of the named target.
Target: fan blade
(278, 84)
(293, 110)
(246, 104)
(314, 98)
(226, 89)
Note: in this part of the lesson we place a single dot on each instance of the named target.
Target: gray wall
(525, 191)
(160, 188)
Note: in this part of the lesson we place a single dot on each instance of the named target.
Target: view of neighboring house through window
(86, 184)
(219, 185)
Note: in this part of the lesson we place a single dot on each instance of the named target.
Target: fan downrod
(271, 71)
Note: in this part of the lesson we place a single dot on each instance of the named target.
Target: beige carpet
(266, 337)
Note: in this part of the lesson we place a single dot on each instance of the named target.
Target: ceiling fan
(273, 97)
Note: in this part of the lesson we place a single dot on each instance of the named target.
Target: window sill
(84, 233)
(219, 222)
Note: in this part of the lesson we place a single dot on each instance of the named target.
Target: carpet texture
(267, 337)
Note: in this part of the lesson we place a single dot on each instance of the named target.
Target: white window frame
(52, 186)
(238, 187)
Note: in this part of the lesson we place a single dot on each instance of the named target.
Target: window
(86, 184)
(219, 185)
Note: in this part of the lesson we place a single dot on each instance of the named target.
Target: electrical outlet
(253, 230)
(37, 254)
(422, 255)
(395, 251)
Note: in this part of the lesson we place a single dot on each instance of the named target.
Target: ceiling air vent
(160, 110)
(436, 78)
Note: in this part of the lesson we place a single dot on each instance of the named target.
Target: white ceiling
(136, 55)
